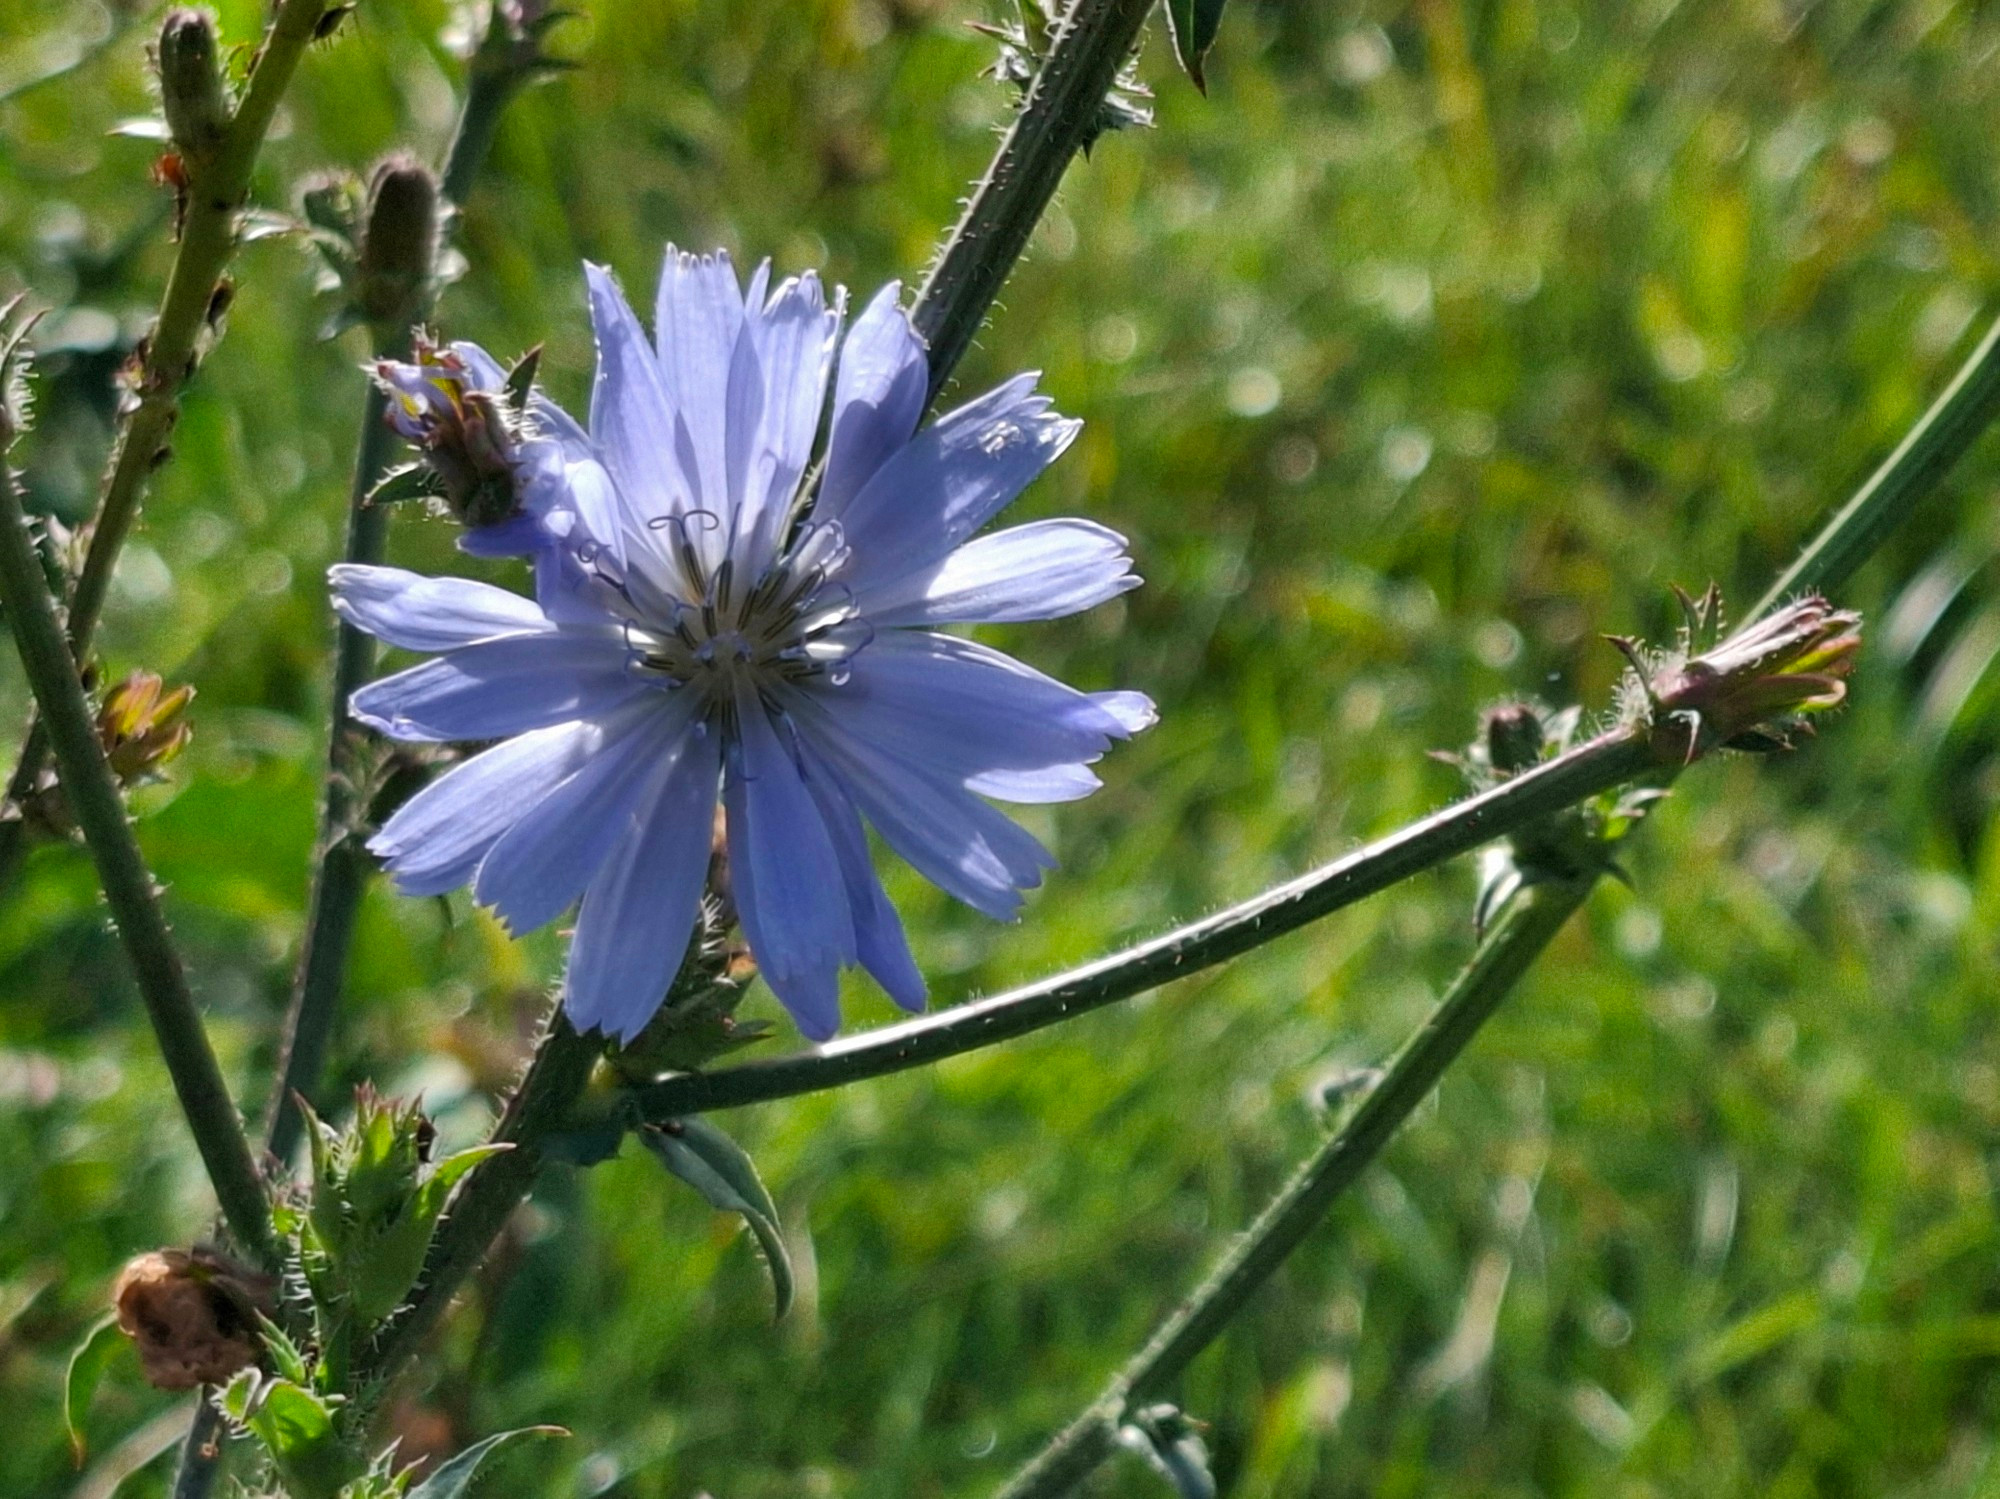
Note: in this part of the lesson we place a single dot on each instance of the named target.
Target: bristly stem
(341, 867)
(1611, 760)
(1907, 476)
(1530, 923)
(94, 800)
(1056, 121)
(218, 185)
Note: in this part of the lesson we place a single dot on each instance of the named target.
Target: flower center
(714, 631)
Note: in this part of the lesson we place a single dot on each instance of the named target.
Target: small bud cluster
(470, 433)
(511, 45)
(142, 726)
(1747, 691)
(375, 1201)
(192, 94)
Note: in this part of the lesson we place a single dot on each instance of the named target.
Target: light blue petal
(1134, 712)
(485, 370)
(631, 417)
(541, 864)
(1044, 570)
(437, 838)
(1053, 783)
(878, 398)
(698, 315)
(428, 614)
(879, 939)
(962, 708)
(559, 426)
(502, 687)
(951, 479)
(743, 406)
(785, 875)
(639, 911)
(794, 336)
(944, 832)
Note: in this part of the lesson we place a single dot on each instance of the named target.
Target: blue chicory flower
(700, 620)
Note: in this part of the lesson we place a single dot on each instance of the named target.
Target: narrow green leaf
(521, 378)
(408, 481)
(701, 1155)
(86, 1369)
(1193, 25)
(452, 1480)
(285, 1355)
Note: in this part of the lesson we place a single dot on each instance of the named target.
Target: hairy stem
(99, 809)
(341, 866)
(1528, 926)
(1056, 120)
(218, 185)
(1583, 772)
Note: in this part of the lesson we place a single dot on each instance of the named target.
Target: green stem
(1055, 121)
(99, 809)
(1581, 773)
(1906, 477)
(1530, 923)
(201, 1453)
(342, 866)
(217, 187)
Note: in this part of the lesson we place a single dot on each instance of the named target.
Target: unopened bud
(191, 91)
(142, 726)
(192, 1316)
(399, 237)
(1513, 737)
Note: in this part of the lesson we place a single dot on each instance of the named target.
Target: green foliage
(87, 1366)
(704, 1157)
(1193, 25)
(296, 1429)
(374, 1203)
(1435, 343)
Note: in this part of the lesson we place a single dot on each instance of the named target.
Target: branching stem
(217, 188)
(99, 808)
(1530, 923)
(1585, 771)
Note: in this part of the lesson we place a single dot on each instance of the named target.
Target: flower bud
(468, 435)
(192, 1316)
(142, 727)
(191, 91)
(1746, 691)
(1514, 737)
(399, 239)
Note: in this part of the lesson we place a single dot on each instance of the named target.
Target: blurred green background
(1439, 339)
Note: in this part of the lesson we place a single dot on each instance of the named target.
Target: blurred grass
(1440, 339)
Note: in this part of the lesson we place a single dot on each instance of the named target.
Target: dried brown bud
(1514, 737)
(191, 1315)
